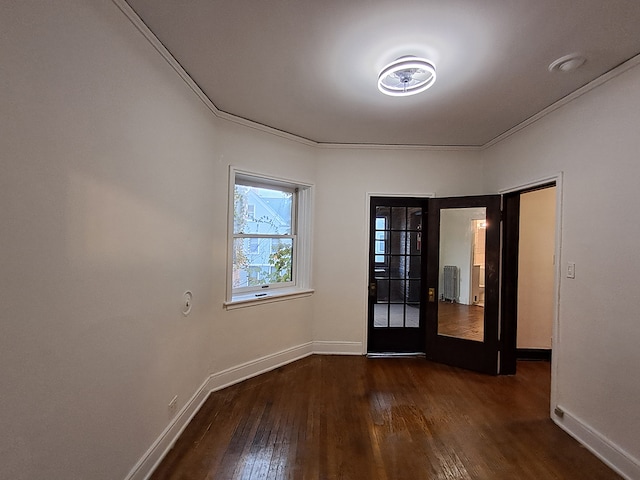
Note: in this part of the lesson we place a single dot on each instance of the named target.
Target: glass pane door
(395, 275)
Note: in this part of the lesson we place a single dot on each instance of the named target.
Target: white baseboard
(337, 348)
(237, 374)
(611, 454)
(217, 381)
(152, 458)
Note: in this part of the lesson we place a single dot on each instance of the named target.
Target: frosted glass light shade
(406, 76)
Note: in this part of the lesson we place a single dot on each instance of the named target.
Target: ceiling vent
(568, 63)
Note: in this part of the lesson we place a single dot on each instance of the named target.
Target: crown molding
(133, 17)
(146, 32)
(601, 80)
(377, 146)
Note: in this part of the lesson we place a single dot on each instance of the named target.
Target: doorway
(433, 279)
(395, 320)
(529, 274)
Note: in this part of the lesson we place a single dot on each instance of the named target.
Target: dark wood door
(396, 293)
(462, 280)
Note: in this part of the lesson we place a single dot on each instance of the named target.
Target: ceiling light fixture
(406, 76)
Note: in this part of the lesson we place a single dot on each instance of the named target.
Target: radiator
(450, 292)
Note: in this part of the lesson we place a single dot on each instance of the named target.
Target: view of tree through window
(263, 236)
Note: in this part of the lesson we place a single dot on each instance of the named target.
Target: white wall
(344, 178)
(536, 270)
(594, 140)
(113, 197)
(114, 202)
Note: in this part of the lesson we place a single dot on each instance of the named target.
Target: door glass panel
(461, 275)
(383, 291)
(414, 215)
(397, 241)
(398, 218)
(412, 318)
(381, 313)
(396, 315)
(396, 265)
(397, 293)
(381, 244)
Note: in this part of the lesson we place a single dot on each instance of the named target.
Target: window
(269, 238)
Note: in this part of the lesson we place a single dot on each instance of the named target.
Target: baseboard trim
(237, 374)
(611, 454)
(217, 381)
(337, 348)
(533, 354)
(159, 449)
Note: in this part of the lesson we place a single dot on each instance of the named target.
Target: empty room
(293, 239)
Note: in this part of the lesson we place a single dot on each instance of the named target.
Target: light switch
(571, 270)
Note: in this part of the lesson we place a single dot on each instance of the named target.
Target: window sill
(250, 300)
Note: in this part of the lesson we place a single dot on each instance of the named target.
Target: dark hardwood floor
(337, 417)
(462, 321)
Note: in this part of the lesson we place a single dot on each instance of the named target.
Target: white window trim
(302, 254)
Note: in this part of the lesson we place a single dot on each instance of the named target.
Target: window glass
(265, 247)
(267, 264)
(262, 210)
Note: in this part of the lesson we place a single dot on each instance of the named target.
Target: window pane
(261, 261)
(262, 210)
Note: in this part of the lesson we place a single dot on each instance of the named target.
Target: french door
(396, 289)
(433, 279)
(463, 268)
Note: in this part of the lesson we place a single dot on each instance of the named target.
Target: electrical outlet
(571, 270)
(173, 405)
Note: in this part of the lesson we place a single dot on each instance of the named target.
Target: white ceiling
(309, 67)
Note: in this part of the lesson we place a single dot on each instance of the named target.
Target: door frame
(365, 256)
(504, 323)
(508, 320)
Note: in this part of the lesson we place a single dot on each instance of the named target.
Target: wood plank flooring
(462, 321)
(337, 417)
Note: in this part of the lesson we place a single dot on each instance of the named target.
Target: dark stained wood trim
(534, 354)
(509, 290)
(509, 317)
